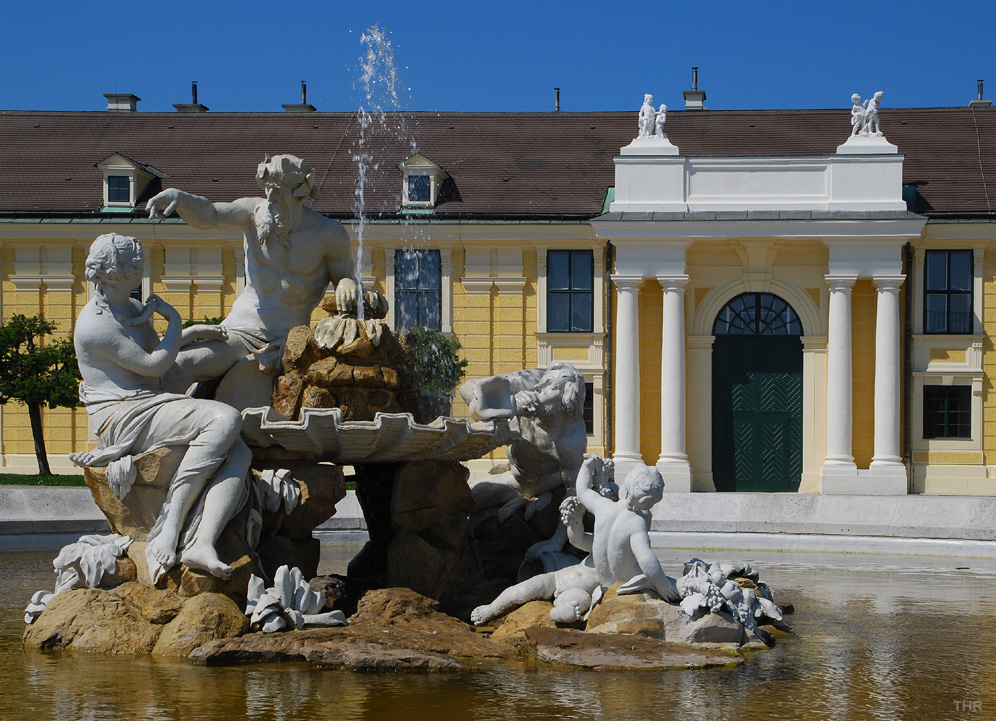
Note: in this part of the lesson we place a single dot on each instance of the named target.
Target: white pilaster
(673, 461)
(887, 466)
(626, 401)
(839, 462)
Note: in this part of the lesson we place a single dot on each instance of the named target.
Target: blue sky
(471, 55)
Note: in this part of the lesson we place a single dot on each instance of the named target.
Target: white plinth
(866, 145)
(653, 145)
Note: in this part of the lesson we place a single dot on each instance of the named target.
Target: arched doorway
(757, 395)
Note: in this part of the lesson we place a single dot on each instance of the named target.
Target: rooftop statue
(291, 254)
(647, 114)
(659, 121)
(869, 122)
(857, 114)
(548, 407)
(122, 360)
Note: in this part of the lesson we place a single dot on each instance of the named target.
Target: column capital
(837, 281)
(627, 282)
(673, 281)
(888, 282)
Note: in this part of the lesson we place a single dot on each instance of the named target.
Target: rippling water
(877, 638)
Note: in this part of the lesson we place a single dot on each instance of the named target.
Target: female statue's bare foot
(163, 550)
(203, 557)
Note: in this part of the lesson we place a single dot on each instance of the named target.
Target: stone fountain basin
(321, 434)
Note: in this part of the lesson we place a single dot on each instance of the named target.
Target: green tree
(36, 373)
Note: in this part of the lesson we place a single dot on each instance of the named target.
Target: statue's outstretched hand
(82, 459)
(164, 204)
(345, 295)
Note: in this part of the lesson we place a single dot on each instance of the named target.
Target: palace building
(757, 301)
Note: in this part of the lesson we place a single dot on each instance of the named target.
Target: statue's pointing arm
(201, 212)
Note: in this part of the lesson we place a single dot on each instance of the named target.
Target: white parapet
(653, 181)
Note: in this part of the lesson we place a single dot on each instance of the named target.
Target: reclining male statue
(122, 360)
(619, 548)
(291, 255)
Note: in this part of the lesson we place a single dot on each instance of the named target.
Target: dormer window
(419, 189)
(422, 182)
(124, 181)
(118, 189)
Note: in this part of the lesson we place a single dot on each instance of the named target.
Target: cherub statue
(647, 114)
(621, 540)
(659, 121)
(122, 360)
(870, 124)
(857, 114)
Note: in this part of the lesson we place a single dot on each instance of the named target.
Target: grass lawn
(23, 479)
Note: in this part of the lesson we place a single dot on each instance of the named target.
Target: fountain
(222, 448)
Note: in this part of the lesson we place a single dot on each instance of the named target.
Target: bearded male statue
(291, 254)
(548, 407)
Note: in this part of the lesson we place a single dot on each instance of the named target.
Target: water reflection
(876, 640)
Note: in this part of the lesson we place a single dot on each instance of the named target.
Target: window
(570, 291)
(118, 189)
(947, 411)
(948, 281)
(757, 314)
(588, 412)
(419, 189)
(417, 289)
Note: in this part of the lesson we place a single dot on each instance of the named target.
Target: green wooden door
(757, 413)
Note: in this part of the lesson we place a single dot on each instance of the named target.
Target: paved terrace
(38, 517)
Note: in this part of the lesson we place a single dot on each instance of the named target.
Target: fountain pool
(877, 637)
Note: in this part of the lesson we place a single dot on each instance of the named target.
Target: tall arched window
(757, 314)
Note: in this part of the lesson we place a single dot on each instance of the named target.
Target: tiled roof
(503, 165)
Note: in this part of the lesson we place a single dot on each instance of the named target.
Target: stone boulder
(646, 614)
(94, 620)
(535, 614)
(206, 617)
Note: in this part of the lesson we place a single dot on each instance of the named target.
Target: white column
(673, 461)
(887, 374)
(839, 420)
(626, 394)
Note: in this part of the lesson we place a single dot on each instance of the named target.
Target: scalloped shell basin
(390, 437)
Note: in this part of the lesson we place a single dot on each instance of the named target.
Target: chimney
(303, 107)
(556, 100)
(695, 98)
(122, 102)
(193, 106)
(979, 102)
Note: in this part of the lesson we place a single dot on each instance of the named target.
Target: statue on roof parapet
(866, 133)
(651, 138)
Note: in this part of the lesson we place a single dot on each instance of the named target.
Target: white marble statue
(647, 114)
(864, 116)
(621, 543)
(291, 254)
(289, 603)
(869, 124)
(857, 114)
(571, 588)
(122, 360)
(659, 121)
(548, 407)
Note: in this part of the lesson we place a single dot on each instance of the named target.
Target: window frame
(947, 293)
(112, 188)
(570, 291)
(400, 292)
(951, 429)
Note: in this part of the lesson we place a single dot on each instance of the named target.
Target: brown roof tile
(502, 164)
